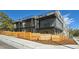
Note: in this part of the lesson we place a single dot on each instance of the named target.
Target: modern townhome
(50, 23)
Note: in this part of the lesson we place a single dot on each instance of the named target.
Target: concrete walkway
(14, 43)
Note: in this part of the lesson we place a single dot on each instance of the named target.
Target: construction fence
(58, 39)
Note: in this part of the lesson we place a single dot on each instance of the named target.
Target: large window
(27, 24)
(46, 23)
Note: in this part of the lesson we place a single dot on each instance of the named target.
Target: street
(5, 46)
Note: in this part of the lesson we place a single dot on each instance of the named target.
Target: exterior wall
(26, 26)
(52, 24)
(36, 24)
(59, 24)
(18, 26)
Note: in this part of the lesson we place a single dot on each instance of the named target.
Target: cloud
(67, 19)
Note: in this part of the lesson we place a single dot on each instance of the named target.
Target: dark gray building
(49, 23)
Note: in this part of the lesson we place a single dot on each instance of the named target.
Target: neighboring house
(50, 23)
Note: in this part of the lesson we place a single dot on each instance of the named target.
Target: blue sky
(18, 14)
(74, 14)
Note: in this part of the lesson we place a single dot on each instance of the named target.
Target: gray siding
(59, 24)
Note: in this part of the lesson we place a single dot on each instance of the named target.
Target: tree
(74, 32)
(5, 22)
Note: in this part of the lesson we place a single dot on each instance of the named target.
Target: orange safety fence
(20, 34)
(28, 35)
(45, 37)
(34, 36)
(60, 39)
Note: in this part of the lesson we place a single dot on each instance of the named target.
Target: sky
(70, 16)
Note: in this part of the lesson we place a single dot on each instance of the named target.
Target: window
(46, 23)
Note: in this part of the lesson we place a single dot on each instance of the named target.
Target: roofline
(40, 16)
